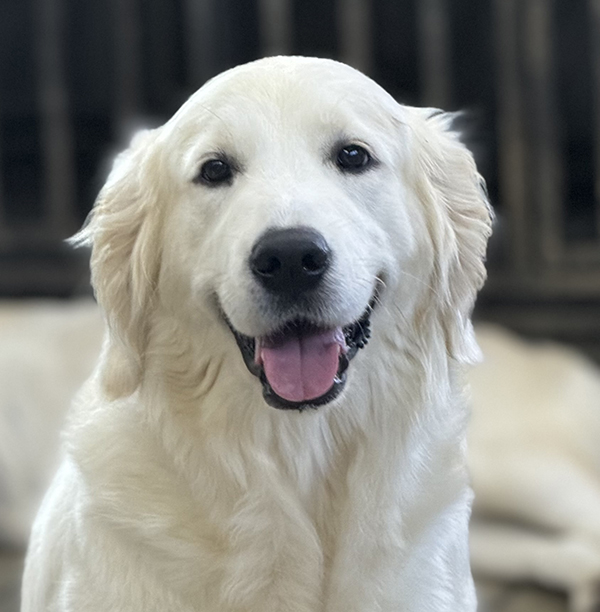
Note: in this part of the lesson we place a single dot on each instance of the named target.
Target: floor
(492, 596)
(11, 566)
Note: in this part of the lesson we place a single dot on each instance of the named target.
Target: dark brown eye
(353, 158)
(215, 172)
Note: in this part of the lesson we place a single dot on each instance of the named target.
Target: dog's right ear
(124, 232)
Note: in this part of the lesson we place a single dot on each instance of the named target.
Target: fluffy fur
(181, 489)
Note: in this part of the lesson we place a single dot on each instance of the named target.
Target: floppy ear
(124, 230)
(460, 223)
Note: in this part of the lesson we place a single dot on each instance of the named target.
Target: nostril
(267, 265)
(314, 263)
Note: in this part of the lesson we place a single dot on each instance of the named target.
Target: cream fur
(181, 489)
(535, 463)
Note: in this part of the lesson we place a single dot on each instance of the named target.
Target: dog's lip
(356, 336)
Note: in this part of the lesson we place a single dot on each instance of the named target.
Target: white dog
(239, 448)
(534, 455)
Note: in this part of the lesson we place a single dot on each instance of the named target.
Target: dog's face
(285, 201)
(291, 215)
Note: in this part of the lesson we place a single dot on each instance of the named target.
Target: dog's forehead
(313, 92)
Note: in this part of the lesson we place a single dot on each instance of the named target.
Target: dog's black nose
(290, 261)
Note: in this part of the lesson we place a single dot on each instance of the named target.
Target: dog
(47, 350)
(535, 464)
(277, 421)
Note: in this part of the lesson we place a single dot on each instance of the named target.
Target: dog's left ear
(460, 223)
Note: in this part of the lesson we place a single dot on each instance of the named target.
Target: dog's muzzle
(302, 363)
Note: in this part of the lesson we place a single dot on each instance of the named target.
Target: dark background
(78, 77)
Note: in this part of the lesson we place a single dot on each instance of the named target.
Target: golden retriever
(240, 446)
(534, 457)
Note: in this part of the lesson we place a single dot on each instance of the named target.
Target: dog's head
(288, 201)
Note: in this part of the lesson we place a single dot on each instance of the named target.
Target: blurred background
(77, 78)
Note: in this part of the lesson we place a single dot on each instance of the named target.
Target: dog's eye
(215, 172)
(353, 158)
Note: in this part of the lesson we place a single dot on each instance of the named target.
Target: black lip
(356, 334)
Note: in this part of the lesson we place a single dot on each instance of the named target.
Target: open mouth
(302, 365)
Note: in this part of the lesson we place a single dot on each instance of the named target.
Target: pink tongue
(301, 368)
